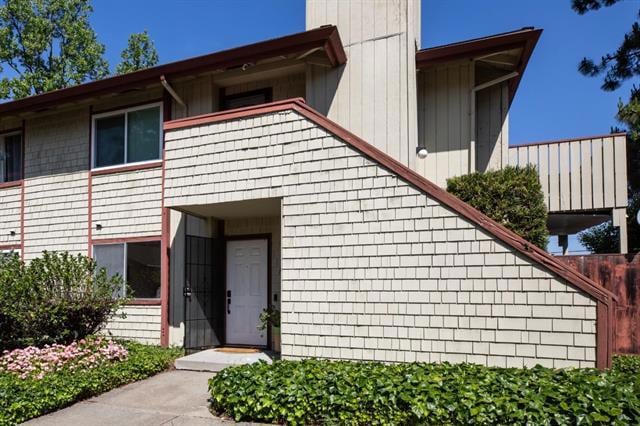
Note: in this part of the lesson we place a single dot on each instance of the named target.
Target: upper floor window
(10, 157)
(245, 99)
(131, 135)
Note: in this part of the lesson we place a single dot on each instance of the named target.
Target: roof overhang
(522, 42)
(318, 44)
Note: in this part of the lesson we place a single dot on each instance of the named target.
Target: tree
(47, 45)
(617, 67)
(139, 54)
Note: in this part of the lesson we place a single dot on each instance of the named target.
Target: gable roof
(325, 38)
(604, 298)
(524, 39)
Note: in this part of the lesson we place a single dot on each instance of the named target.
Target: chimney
(374, 93)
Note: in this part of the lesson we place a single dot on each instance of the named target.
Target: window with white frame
(126, 136)
(10, 157)
(138, 263)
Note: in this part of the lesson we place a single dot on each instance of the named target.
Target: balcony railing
(579, 174)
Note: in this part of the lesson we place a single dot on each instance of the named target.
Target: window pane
(111, 257)
(13, 157)
(110, 141)
(143, 138)
(143, 269)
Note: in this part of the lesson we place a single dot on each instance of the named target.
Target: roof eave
(326, 37)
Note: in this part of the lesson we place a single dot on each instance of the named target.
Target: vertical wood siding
(581, 174)
(492, 128)
(444, 121)
(621, 275)
(374, 94)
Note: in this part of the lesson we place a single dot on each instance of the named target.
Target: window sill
(11, 184)
(144, 302)
(126, 168)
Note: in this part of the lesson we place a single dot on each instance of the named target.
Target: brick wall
(371, 267)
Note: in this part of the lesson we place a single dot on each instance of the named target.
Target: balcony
(584, 181)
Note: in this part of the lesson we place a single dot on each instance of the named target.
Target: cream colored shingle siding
(142, 323)
(371, 267)
(56, 175)
(127, 204)
(10, 216)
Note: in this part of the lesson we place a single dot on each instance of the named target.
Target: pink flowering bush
(35, 363)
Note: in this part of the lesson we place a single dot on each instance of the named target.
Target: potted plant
(270, 317)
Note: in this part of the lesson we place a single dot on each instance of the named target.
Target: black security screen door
(203, 293)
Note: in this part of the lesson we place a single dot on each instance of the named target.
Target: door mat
(238, 350)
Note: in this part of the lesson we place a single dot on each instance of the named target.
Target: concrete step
(215, 360)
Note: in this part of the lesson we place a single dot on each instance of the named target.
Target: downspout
(474, 90)
(172, 92)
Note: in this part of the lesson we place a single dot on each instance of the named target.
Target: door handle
(186, 292)
(228, 305)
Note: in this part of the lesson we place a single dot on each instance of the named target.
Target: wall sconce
(98, 227)
(12, 233)
(422, 152)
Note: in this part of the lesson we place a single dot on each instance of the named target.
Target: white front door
(247, 288)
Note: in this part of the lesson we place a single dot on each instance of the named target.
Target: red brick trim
(127, 168)
(606, 300)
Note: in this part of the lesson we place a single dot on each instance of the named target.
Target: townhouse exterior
(307, 173)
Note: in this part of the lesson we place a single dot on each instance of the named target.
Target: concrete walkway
(171, 398)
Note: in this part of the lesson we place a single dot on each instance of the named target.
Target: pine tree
(617, 67)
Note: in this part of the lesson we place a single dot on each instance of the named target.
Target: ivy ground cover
(341, 392)
(35, 381)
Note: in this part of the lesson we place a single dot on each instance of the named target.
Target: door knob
(187, 292)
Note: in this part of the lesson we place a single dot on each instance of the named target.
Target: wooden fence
(621, 275)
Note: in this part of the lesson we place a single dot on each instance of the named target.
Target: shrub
(627, 364)
(57, 298)
(511, 196)
(35, 362)
(318, 392)
(23, 399)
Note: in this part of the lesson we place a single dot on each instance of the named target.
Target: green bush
(319, 392)
(56, 298)
(627, 364)
(23, 399)
(511, 196)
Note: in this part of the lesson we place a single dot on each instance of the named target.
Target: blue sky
(554, 101)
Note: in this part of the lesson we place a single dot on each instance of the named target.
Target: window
(127, 136)
(138, 263)
(10, 157)
(244, 99)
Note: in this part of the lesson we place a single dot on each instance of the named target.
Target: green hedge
(511, 196)
(21, 400)
(319, 392)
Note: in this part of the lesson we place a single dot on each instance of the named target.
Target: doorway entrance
(247, 290)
